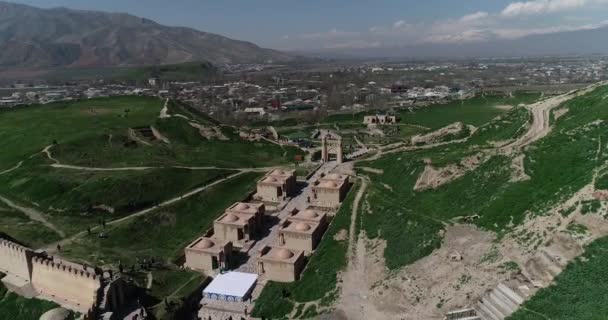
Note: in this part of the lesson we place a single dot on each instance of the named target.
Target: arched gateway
(332, 147)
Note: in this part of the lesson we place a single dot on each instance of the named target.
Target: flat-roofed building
(208, 255)
(280, 264)
(330, 190)
(277, 185)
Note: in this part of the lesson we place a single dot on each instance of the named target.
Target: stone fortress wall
(34, 274)
(15, 259)
(67, 284)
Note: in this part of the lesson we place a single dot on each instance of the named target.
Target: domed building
(330, 190)
(302, 230)
(277, 186)
(280, 264)
(256, 210)
(208, 255)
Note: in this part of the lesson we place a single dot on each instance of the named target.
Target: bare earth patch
(432, 177)
(209, 132)
(372, 170)
(341, 235)
(518, 172)
(558, 113)
(436, 136)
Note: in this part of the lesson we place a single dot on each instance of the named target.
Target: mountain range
(31, 37)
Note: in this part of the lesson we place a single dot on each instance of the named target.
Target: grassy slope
(27, 130)
(579, 292)
(165, 232)
(95, 133)
(187, 148)
(69, 197)
(559, 165)
(31, 233)
(319, 279)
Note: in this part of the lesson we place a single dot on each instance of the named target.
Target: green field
(25, 131)
(579, 292)
(318, 282)
(475, 111)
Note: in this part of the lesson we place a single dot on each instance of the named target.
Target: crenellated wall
(15, 259)
(65, 283)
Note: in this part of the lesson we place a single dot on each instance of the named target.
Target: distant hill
(41, 38)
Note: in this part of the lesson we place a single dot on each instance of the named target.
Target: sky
(360, 24)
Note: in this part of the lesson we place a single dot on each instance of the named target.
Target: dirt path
(12, 169)
(150, 279)
(51, 247)
(71, 167)
(47, 151)
(541, 118)
(354, 300)
(34, 215)
(164, 112)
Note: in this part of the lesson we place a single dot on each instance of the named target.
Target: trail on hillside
(17, 166)
(47, 151)
(541, 118)
(52, 247)
(33, 214)
(164, 112)
(355, 286)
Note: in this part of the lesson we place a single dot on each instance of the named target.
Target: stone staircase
(464, 314)
(499, 303)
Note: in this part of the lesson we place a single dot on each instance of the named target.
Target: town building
(280, 264)
(277, 186)
(208, 255)
(330, 190)
(380, 119)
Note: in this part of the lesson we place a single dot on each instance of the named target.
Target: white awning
(231, 284)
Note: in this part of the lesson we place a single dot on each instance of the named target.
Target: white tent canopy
(231, 286)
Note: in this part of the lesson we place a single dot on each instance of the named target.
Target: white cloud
(541, 7)
(331, 34)
(355, 44)
(399, 24)
(516, 33)
(474, 16)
